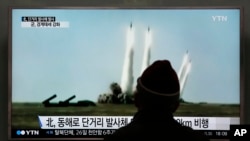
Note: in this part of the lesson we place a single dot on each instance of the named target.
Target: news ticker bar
(115, 122)
(236, 133)
(92, 133)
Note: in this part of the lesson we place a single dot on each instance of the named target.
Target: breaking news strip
(99, 126)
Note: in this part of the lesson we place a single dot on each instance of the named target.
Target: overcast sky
(85, 58)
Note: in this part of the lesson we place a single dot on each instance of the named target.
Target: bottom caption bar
(92, 133)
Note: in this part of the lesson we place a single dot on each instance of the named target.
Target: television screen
(73, 71)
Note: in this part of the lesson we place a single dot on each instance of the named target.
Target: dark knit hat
(160, 79)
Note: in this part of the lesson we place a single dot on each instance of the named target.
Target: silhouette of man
(156, 98)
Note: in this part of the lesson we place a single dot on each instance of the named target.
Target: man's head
(158, 87)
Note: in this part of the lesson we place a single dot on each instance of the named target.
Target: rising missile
(147, 51)
(185, 76)
(127, 74)
(184, 61)
(184, 71)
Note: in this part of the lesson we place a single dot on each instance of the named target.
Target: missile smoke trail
(183, 72)
(185, 59)
(185, 76)
(127, 74)
(146, 55)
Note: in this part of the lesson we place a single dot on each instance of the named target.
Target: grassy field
(25, 115)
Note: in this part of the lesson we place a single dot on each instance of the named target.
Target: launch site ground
(25, 115)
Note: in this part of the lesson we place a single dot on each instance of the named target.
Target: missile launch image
(127, 79)
(127, 74)
(91, 67)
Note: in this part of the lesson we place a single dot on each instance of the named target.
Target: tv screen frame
(130, 24)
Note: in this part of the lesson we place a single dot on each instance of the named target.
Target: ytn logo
(27, 132)
(240, 132)
(219, 18)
